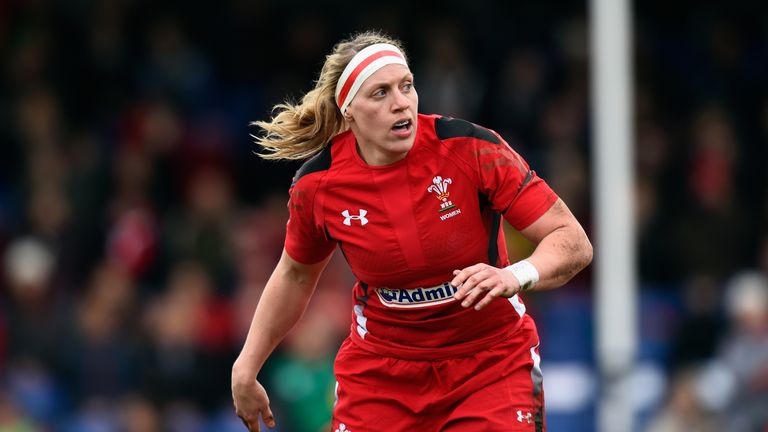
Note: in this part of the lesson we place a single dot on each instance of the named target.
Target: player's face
(383, 115)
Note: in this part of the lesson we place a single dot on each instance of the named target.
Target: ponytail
(299, 131)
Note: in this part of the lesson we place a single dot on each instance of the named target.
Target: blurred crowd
(138, 227)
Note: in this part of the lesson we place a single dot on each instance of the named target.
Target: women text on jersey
(405, 227)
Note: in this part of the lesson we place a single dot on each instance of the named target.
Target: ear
(347, 116)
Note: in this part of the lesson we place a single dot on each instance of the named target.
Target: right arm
(284, 300)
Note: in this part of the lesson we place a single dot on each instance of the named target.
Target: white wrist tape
(525, 273)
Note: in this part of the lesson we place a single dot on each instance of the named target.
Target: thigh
(514, 402)
(505, 405)
(376, 393)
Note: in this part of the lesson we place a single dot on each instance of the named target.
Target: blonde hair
(299, 131)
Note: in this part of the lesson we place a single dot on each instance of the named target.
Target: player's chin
(400, 145)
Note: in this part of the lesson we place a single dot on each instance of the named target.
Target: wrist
(526, 274)
(245, 369)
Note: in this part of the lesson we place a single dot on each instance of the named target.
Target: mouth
(402, 127)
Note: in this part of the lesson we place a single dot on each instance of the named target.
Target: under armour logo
(348, 218)
(526, 417)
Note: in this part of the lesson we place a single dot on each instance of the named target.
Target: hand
(251, 400)
(475, 280)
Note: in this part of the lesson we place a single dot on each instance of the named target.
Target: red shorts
(498, 389)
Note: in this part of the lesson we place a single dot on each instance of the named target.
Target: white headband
(363, 65)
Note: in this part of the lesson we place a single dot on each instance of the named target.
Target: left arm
(562, 250)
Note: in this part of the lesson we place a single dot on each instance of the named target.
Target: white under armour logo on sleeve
(348, 218)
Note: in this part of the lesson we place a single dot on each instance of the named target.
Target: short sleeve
(305, 240)
(511, 186)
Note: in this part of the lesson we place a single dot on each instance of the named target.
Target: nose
(400, 102)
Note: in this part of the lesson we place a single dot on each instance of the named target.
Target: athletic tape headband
(363, 65)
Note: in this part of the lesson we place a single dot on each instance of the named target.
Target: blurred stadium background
(137, 227)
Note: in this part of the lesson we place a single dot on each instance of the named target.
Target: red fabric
(403, 238)
(492, 390)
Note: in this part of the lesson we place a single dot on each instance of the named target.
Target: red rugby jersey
(405, 227)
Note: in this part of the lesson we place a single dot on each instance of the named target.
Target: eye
(379, 93)
(407, 86)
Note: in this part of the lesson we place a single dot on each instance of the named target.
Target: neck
(377, 157)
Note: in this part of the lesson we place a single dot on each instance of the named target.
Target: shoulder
(448, 128)
(478, 148)
(318, 163)
(306, 183)
(464, 140)
(338, 149)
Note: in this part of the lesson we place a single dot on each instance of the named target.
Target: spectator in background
(138, 414)
(714, 219)
(39, 329)
(684, 411)
(743, 353)
(189, 330)
(203, 231)
(38, 319)
(447, 81)
(431, 362)
(520, 94)
(103, 355)
(700, 328)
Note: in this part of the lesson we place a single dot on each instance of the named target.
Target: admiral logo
(439, 187)
(417, 297)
